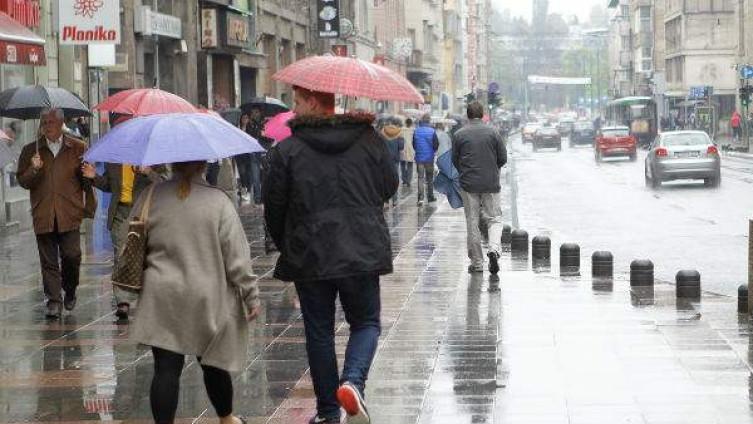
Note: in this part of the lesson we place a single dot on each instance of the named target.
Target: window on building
(625, 11)
(673, 35)
(670, 73)
(626, 42)
(646, 52)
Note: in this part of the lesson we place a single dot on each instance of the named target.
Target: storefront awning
(19, 45)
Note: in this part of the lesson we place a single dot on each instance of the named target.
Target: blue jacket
(425, 143)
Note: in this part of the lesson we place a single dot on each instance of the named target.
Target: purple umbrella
(170, 138)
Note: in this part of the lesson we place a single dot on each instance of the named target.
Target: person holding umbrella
(323, 206)
(125, 182)
(197, 256)
(50, 169)
(323, 202)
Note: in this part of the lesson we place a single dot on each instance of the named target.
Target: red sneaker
(350, 399)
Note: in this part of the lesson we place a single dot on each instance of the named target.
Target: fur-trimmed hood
(331, 134)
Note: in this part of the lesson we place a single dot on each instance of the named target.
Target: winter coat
(425, 143)
(395, 143)
(323, 199)
(408, 154)
(58, 189)
(198, 281)
(478, 152)
(735, 120)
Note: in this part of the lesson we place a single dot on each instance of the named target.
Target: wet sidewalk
(529, 348)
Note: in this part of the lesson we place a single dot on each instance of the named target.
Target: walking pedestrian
(255, 129)
(478, 153)
(50, 168)
(126, 183)
(425, 143)
(395, 144)
(736, 123)
(323, 207)
(243, 164)
(408, 155)
(199, 290)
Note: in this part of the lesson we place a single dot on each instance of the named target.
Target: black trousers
(168, 366)
(60, 258)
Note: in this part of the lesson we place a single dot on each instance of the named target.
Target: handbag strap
(145, 207)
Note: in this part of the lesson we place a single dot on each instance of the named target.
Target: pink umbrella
(277, 127)
(350, 77)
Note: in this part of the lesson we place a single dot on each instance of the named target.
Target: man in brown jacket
(50, 169)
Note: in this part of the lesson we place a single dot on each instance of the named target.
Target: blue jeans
(406, 172)
(254, 174)
(359, 297)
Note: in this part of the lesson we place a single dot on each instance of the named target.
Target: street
(682, 225)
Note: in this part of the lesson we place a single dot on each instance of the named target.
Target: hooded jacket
(323, 199)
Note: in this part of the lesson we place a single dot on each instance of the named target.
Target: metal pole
(156, 52)
(750, 264)
(598, 83)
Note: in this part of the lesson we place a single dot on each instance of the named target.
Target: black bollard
(641, 273)
(506, 234)
(602, 265)
(541, 248)
(742, 299)
(519, 241)
(569, 259)
(688, 282)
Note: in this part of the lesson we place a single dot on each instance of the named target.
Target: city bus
(637, 113)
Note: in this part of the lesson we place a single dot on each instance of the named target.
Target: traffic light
(745, 92)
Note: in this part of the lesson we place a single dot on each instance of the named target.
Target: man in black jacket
(323, 202)
(478, 153)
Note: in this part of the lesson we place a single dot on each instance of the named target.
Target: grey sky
(566, 7)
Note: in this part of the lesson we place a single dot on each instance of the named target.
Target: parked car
(529, 130)
(583, 133)
(565, 126)
(615, 141)
(547, 137)
(678, 155)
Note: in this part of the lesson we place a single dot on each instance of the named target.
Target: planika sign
(89, 21)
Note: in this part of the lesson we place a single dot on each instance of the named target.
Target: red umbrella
(145, 101)
(351, 77)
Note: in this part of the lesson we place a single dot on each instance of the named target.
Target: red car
(615, 141)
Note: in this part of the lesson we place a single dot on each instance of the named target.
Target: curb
(746, 156)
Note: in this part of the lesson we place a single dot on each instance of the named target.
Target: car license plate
(681, 155)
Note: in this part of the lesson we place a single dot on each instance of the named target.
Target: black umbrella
(269, 106)
(232, 115)
(28, 102)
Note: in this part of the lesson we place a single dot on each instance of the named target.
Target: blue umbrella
(170, 138)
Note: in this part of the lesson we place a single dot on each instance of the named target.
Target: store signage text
(25, 12)
(208, 28)
(89, 22)
(328, 18)
(237, 30)
(148, 22)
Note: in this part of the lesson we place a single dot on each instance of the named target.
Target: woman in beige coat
(199, 290)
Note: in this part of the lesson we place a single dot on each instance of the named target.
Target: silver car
(683, 155)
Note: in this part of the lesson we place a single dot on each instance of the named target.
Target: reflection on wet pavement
(527, 347)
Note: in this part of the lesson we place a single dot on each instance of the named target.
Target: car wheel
(633, 157)
(714, 181)
(559, 148)
(533, 145)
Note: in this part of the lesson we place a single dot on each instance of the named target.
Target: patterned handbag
(128, 274)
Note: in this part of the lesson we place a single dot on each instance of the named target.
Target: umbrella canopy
(277, 127)
(144, 101)
(351, 77)
(29, 101)
(170, 138)
(269, 106)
